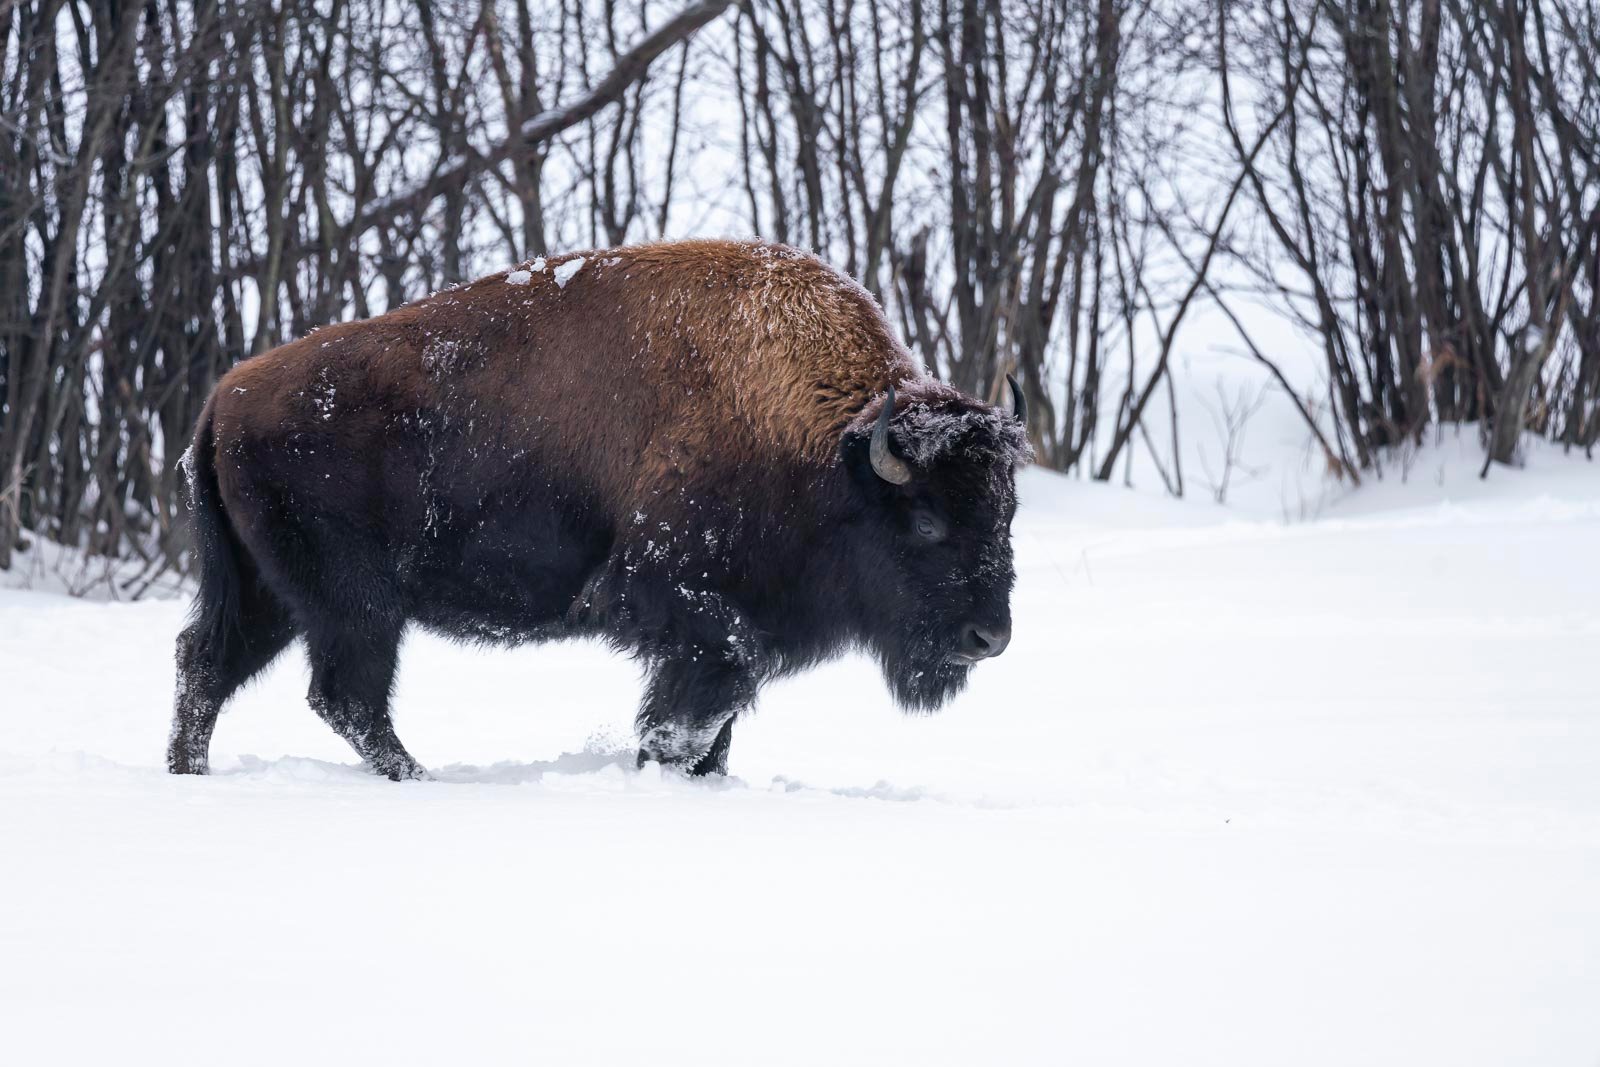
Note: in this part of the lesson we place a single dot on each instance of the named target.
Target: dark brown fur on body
(669, 450)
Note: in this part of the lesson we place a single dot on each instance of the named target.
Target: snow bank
(1239, 793)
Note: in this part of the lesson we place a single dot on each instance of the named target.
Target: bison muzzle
(713, 455)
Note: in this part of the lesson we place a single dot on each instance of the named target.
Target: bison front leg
(715, 761)
(689, 708)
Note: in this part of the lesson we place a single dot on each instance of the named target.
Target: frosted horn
(888, 466)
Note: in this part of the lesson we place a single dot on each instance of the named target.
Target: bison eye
(927, 526)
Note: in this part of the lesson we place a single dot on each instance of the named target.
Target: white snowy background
(1243, 790)
(1309, 776)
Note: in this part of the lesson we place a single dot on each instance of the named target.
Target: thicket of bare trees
(1046, 186)
(1435, 196)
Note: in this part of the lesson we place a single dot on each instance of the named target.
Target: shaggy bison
(711, 454)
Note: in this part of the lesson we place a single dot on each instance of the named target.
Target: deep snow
(1240, 792)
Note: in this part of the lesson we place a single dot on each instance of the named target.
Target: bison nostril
(981, 642)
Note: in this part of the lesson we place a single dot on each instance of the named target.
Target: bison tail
(236, 627)
(215, 619)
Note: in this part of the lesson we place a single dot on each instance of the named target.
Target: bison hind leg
(352, 675)
(215, 658)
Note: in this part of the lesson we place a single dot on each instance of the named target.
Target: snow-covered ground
(1240, 792)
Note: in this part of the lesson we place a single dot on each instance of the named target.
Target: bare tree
(1416, 183)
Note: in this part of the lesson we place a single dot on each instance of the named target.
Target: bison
(713, 455)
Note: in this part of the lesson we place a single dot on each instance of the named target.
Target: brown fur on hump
(654, 366)
(796, 348)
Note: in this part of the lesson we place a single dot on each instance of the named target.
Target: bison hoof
(399, 767)
(679, 747)
(187, 759)
(710, 763)
(702, 769)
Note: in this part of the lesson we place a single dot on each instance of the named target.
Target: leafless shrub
(1230, 418)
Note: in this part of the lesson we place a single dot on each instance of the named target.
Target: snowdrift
(1240, 792)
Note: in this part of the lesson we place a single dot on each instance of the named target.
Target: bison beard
(713, 455)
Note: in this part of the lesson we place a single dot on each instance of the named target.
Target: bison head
(933, 480)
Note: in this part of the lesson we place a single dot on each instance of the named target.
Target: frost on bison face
(935, 550)
(713, 455)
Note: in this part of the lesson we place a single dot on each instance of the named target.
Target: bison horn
(888, 466)
(1019, 404)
